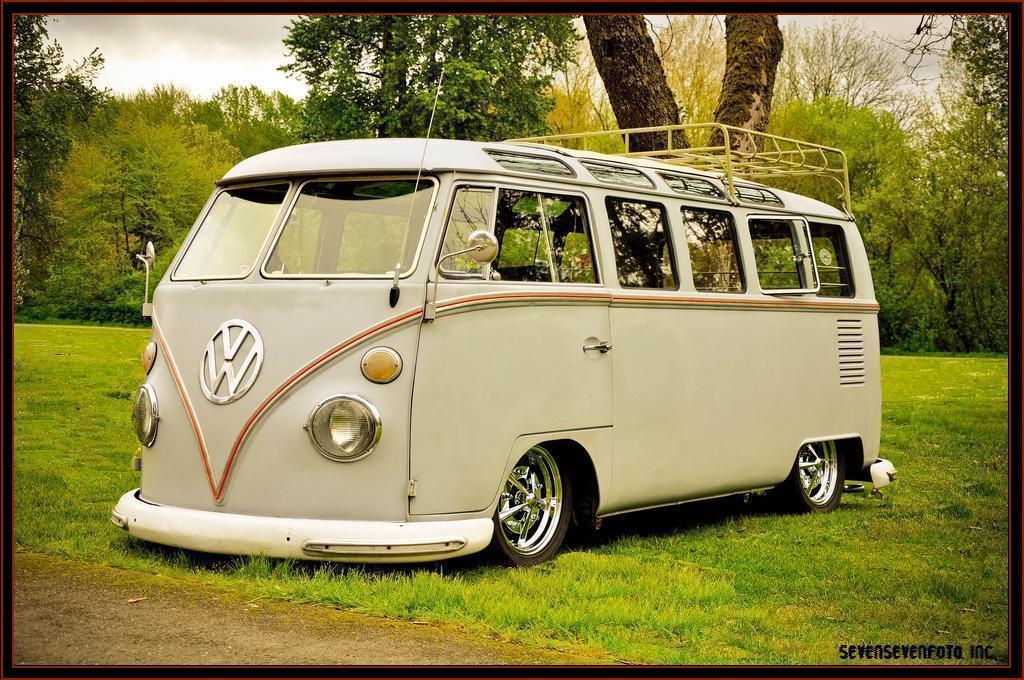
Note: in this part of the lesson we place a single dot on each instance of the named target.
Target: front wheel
(534, 509)
(815, 484)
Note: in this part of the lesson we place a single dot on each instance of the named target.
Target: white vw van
(398, 350)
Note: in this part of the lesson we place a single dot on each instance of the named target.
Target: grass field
(713, 582)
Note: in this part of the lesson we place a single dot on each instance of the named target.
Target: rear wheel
(815, 484)
(534, 509)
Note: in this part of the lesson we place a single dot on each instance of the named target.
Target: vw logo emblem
(231, 362)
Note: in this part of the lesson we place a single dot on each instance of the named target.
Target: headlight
(145, 415)
(344, 428)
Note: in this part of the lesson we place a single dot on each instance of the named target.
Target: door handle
(602, 346)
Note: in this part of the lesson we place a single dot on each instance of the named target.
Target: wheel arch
(586, 454)
(852, 449)
(850, 446)
(580, 468)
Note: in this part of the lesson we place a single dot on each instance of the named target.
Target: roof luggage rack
(728, 151)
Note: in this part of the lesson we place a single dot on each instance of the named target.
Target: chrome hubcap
(818, 466)
(531, 502)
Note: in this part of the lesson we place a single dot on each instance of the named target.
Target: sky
(204, 53)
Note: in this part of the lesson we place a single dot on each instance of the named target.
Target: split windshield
(355, 228)
(233, 233)
(352, 228)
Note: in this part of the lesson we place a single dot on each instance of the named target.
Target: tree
(136, 178)
(634, 78)
(377, 75)
(253, 121)
(692, 51)
(692, 54)
(140, 169)
(981, 43)
(840, 60)
(137, 173)
(579, 102)
(49, 100)
(753, 47)
(946, 220)
(873, 140)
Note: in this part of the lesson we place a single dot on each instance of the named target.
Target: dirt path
(74, 613)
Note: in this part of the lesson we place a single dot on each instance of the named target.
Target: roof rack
(729, 151)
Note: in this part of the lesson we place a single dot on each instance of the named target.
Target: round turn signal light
(381, 365)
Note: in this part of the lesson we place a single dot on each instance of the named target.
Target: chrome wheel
(818, 470)
(531, 503)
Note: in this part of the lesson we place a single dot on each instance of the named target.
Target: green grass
(712, 582)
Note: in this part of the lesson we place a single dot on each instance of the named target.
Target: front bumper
(304, 539)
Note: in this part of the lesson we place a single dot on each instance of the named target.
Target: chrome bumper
(309, 539)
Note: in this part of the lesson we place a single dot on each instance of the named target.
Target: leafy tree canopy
(140, 171)
(49, 100)
(251, 120)
(982, 44)
(377, 75)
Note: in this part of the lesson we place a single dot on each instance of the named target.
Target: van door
(505, 354)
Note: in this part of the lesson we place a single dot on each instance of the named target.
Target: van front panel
(275, 470)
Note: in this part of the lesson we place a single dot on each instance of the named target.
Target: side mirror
(150, 253)
(482, 246)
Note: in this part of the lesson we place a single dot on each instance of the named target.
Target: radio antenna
(395, 291)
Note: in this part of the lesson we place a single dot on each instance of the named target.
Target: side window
(541, 237)
(566, 219)
(711, 240)
(643, 254)
(833, 260)
(471, 210)
(782, 255)
(524, 252)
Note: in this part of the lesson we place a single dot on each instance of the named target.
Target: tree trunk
(393, 78)
(634, 78)
(753, 48)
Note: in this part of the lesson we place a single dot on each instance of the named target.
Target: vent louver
(850, 342)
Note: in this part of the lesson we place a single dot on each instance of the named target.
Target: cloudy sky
(203, 53)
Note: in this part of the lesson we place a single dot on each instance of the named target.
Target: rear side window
(232, 233)
(781, 254)
(711, 240)
(833, 260)
(643, 254)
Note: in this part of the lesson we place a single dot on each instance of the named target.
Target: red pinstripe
(183, 393)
